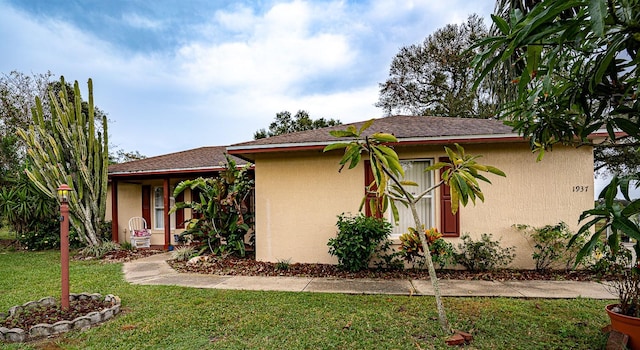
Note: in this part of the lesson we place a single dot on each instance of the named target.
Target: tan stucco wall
(299, 195)
(298, 198)
(129, 205)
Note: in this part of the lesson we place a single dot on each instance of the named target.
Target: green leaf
(597, 14)
(495, 171)
(437, 166)
(533, 59)
(338, 145)
(366, 126)
(342, 133)
(384, 137)
(501, 24)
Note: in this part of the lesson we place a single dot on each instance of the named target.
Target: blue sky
(176, 75)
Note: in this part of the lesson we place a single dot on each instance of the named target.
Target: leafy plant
(23, 206)
(484, 254)
(41, 235)
(462, 173)
(357, 239)
(442, 252)
(386, 257)
(99, 250)
(283, 264)
(126, 245)
(183, 253)
(549, 244)
(224, 221)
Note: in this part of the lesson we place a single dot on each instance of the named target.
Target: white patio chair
(140, 234)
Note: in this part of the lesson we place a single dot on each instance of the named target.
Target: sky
(176, 75)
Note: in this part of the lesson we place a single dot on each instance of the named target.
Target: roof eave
(302, 146)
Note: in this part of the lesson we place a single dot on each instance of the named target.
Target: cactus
(66, 148)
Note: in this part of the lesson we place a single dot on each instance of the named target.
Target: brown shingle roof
(405, 128)
(203, 158)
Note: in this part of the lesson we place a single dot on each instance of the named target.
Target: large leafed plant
(462, 173)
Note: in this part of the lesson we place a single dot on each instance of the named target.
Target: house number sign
(579, 188)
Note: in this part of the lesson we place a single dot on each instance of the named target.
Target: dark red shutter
(370, 193)
(180, 212)
(195, 197)
(146, 204)
(450, 223)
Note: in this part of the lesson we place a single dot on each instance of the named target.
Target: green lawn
(162, 317)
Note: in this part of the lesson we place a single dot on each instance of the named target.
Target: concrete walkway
(154, 270)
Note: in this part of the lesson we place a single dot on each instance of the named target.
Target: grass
(168, 317)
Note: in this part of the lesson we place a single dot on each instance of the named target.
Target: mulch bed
(53, 313)
(249, 267)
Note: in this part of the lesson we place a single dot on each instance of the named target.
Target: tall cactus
(66, 148)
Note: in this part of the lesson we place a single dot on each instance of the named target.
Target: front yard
(166, 317)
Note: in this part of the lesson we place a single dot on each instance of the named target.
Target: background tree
(17, 97)
(122, 156)
(285, 124)
(434, 78)
(67, 148)
(462, 174)
(578, 73)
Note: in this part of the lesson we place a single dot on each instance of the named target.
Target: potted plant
(617, 219)
(625, 315)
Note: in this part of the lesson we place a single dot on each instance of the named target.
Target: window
(414, 171)
(158, 209)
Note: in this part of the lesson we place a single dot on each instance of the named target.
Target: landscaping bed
(45, 317)
(249, 267)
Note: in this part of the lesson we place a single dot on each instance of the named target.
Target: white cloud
(231, 76)
(280, 53)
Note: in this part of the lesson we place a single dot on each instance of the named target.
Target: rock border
(42, 330)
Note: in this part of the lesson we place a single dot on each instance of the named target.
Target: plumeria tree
(573, 66)
(462, 173)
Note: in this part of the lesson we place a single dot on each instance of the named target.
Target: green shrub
(483, 255)
(183, 253)
(127, 246)
(357, 240)
(41, 235)
(442, 252)
(385, 257)
(100, 250)
(283, 264)
(549, 243)
(606, 262)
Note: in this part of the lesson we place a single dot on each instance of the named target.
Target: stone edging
(19, 335)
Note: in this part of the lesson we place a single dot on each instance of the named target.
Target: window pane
(158, 205)
(414, 171)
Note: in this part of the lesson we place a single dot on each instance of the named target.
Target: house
(144, 188)
(299, 192)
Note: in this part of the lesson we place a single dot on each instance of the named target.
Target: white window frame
(430, 197)
(159, 207)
